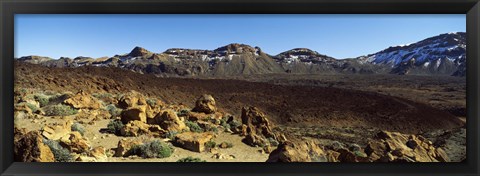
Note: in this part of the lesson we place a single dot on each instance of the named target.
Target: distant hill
(444, 54)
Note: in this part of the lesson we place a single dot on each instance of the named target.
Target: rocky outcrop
(205, 104)
(131, 99)
(345, 155)
(30, 148)
(75, 142)
(235, 48)
(397, 147)
(99, 154)
(135, 108)
(169, 121)
(139, 52)
(82, 100)
(58, 131)
(137, 128)
(256, 127)
(124, 146)
(137, 113)
(23, 108)
(193, 141)
(296, 152)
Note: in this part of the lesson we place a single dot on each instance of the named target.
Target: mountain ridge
(443, 54)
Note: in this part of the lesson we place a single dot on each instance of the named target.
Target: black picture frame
(9, 8)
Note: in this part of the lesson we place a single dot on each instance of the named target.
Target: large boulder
(99, 154)
(30, 148)
(75, 142)
(169, 121)
(58, 131)
(134, 113)
(205, 104)
(137, 128)
(82, 100)
(193, 141)
(23, 108)
(131, 99)
(394, 146)
(349, 156)
(124, 146)
(297, 152)
(256, 127)
(135, 108)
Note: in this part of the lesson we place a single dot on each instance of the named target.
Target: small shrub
(102, 95)
(234, 124)
(191, 159)
(113, 110)
(212, 128)
(78, 127)
(59, 110)
(273, 142)
(224, 124)
(23, 90)
(360, 154)
(183, 112)
(210, 144)
(171, 134)
(57, 99)
(42, 99)
(154, 149)
(151, 102)
(115, 126)
(32, 107)
(61, 154)
(194, 127)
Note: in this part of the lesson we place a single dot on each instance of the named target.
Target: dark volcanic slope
(284, 104)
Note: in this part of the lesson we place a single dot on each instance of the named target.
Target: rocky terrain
(110, 114)
(439, 55)
(237, 103)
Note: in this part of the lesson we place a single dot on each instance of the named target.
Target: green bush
(183, 112)
(360, 154)
(113, 110)
(102, 95)
(78, 127)
(224, 124)
(273, 142)
(61, 154)
(115, 126)
(154, 149)
(191, 159)
(151, 102)
(32, 107)
(59, 110)
(194, 127)
(234, 124)
(42, 99)
(212, 128)
(171, 134)
(210, 144)
(57, 99)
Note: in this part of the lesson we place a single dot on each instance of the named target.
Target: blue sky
(339, 36)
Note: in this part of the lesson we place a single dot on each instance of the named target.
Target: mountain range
(444, 54)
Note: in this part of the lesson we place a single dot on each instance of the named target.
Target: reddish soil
(284, 104)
